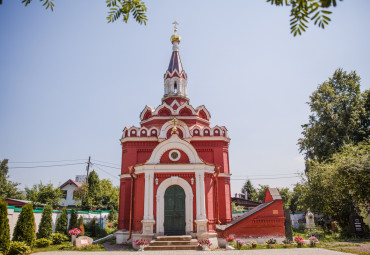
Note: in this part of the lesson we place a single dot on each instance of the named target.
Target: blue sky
(70, 82)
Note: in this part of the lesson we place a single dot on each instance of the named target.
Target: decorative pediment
(174, 142)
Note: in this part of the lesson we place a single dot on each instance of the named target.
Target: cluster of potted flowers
(205, 244)
(141, 243)
(313, 241)
(271, 243)
(299, 240)
(238, 244)
(74, 233)
(287, 243)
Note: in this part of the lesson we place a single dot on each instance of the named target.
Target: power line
(106, 172)
(107, 166)
(45, 161)
(16, 167)
(106, 162)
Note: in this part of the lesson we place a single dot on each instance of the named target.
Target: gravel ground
(304, 251)
(360, 247)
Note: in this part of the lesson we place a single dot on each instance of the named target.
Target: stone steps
(164, 243)
(173, 243)
(174, 238)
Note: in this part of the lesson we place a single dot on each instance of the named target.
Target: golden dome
(175, 37)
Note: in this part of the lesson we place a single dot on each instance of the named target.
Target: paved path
(302, 251)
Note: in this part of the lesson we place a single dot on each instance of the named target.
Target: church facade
(175, 176)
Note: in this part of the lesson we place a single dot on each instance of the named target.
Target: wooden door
(174, 211)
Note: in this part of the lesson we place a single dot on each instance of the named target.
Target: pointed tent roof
(175, 63)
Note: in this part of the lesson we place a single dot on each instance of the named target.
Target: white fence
(13, 213)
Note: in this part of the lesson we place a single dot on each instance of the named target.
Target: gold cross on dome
(174, 129)
(175, 23)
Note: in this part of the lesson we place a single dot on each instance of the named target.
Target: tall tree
(24, 230)
(45, 194)
(295, 200)
(340, 115)
(261, 192)
(62, 222)
(251, 190)
(117, 9)
(4, 228)
(335, 187)
(304, 11)
(46, 223)
(286, 195)
(8, 189)
(93, 186)
(108, 197)
(98, 194)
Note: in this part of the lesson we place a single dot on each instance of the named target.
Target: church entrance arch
(181, 190)
(174, 211)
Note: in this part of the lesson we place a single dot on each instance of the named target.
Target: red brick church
(175, 176)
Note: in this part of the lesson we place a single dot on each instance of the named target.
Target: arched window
(175, 88)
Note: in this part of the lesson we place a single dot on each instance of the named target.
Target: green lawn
(66, 246)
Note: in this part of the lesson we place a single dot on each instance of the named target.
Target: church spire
(175, 78)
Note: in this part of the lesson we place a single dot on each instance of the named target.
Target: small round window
(174, 155)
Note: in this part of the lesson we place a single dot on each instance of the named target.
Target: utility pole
(88, 169)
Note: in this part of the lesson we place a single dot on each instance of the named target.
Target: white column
(151, 196)
(146, 197)
(148, 220)
(198, 191)
(201, 219)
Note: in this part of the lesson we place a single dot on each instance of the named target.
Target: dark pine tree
(4, 228)
(24, 230)
(73, 220)
(62, 222)
(46, 224)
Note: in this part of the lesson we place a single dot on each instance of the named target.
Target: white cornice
(173, 168)
(210, 138)
(156, 139)
(174, 116)
(139, 139)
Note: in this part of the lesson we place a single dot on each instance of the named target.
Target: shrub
(66, 246)
(25, 228)
(62, 222)
(4, 228)
(113, 215)
(93, 229)
(80, 224)
(73, 220)
(42, 242)
(46, 224)
(18, 248)
(58, 238)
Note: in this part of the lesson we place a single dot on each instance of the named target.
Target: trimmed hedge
(46, 224)
(4, 228)
(62, 222)
(24, 230)
(73, 220)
